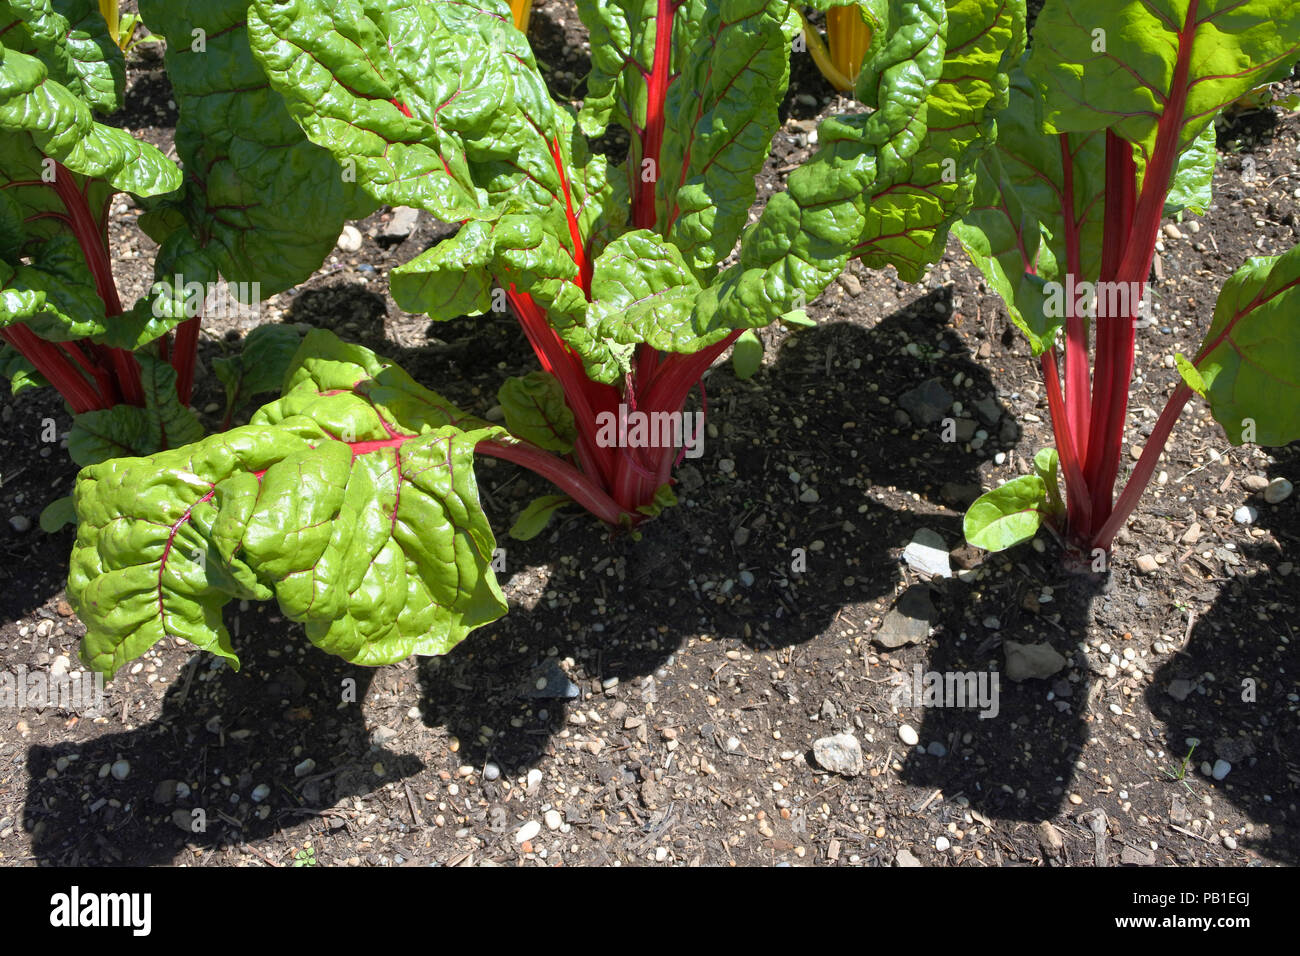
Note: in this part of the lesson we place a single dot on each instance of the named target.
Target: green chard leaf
(1249, 363)
(130, 430)
(536, 412)
(1124, 66)
(267, 354)
(351, 500)
(533, 520)
(263, 203)
(912, 204)
(1007, 515)
(807, 233)
(1015, 232)
(72, 39)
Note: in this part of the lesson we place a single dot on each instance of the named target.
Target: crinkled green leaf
(533, 520)
(1191, 190)
(21, 373)
(731, 59)
(536, 412)
(71, 38)
(260, 366)
(130, 430)
(1114, 65)
(61, 126)
(1015, 232)
(351, 500)
(1249, 363)
(263, 202)
(913, 204)
(806, 234)
(642, 291)
(54, 296)
(1007, 515)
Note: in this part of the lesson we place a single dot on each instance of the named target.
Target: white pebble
(942, 844)
(528, 831)
(553, 819)
(120, 769)
(908, 735)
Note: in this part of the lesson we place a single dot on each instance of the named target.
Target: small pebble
(908, 735)
(1246, 514)
(941, 844)
(260, 793)
(120, 769)
(491, 771)
(1278, 491)
(553, 819)
(21, 523)
(528, 831)
(1221, 769)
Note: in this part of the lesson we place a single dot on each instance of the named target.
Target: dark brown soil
(699, 695)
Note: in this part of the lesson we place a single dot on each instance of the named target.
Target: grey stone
(1278, 491)
(1234, 749)
(908, 621)
(1179, 688)
(904, 858)
(1246, 514)
(987, 409)
(402, 224)
(840, 754)
(927, 403)
(1031, 661)
(927, 553)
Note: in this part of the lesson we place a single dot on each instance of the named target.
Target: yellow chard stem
(849, 36)
(523, 11)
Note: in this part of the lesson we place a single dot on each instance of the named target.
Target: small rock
(402, 224)
(1234, 749)
(1031, 661)
(304, 768)
(1172, 231)
(987, 409)
(1246, 514)
(1147, 564)
(491, 771)
(553, 819)
(1221, 769)
(1230, 843)
(1193, 533)
(1179, 689)
(936, 749)
(840, 754)
(1137, 856)
(528, 831)
(809, 496)
(904, 857)
(183, 820)
(1278, 491)
(1050, 839)
(852, 285)
(941, 844)
(120, 769)
(746, 578)
(927, 403)
(1254, 483)
(927, 553)
(165, 791)
(533, 780)
(908, 621)
(260, 793)
(21, 523)
(908, 735)
(349, 239)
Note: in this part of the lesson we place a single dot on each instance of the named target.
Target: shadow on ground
(1233, 686)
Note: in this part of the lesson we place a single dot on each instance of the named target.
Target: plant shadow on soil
(1240, 663)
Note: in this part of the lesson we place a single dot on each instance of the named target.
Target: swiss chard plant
(1110, 127)
(255, 202)
(351, 500)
